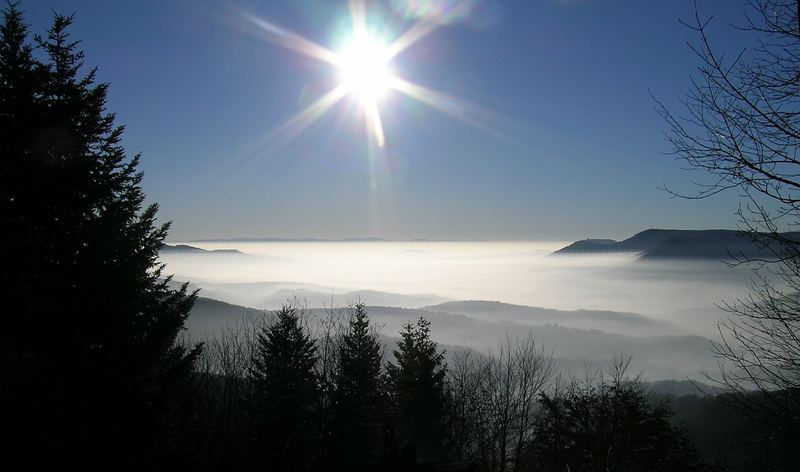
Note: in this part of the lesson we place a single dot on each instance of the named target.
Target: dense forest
(95, 373)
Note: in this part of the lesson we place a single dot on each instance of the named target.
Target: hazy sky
(559, 138)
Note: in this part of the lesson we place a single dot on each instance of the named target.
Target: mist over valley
(584, 306)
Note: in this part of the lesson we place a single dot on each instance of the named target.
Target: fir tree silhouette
(418, 388)
(358, 398)
(89, 357)
(285, 394)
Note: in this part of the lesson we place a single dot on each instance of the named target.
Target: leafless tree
(222, 389)
(496, 401)
(742, 128)
(468, 377)
(327, 329)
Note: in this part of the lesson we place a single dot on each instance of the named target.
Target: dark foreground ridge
(711, 244)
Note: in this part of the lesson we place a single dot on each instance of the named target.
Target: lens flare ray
(373, 117)
(293, 41)
(298, 123)
(416, 32)
(358, 15)
(457, 108)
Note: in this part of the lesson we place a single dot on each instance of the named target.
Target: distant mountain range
(717, 244)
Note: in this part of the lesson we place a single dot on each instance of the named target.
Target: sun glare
(364, 68)
(364, 71)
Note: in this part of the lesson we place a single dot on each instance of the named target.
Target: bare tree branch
(741, 128)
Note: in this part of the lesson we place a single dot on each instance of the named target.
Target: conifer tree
(285, 393)
(89, 357)
(358, 396)
(418, 388)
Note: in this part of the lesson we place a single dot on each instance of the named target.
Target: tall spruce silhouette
(358, 398)
(285, 394)
(418, 388)
(89, 356)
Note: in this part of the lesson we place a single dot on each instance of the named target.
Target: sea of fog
(415, 274)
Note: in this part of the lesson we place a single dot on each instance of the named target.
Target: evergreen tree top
(359, 372)
(286, 353)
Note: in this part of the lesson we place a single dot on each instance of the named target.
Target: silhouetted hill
(590, 245)
(208, 316)
(609, 321)
(681, 244)
(680, 388)
(271, 295)
(186, 249)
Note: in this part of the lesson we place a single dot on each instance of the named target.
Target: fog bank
(415, 274)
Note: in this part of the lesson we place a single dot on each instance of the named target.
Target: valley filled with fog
(414, 274)
(585, 308)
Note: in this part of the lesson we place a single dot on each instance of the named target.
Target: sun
(363, 64)
(365, 69)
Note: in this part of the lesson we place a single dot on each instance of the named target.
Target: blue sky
(573, 149)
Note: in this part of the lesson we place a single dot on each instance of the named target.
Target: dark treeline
(732, 436)
(285, 391)
(94, 373)
(355, 406)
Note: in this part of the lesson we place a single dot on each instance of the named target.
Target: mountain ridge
(720, 244)
(187, 249)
